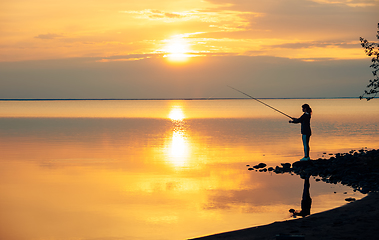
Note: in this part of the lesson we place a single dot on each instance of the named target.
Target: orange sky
(129, 31)
(41, 29)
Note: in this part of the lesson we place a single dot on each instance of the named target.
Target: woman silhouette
(306, 132)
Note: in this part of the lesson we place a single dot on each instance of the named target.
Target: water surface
(164, 169)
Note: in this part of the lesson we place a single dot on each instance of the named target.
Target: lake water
(164, 169)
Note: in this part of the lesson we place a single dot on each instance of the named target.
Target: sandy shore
(355, 220)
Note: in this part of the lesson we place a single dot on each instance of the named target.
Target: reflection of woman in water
(306, 132)
(306, 201)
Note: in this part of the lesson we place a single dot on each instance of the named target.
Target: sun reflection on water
(176, 114)
(178, 148)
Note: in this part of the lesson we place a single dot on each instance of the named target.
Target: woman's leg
(306, 145)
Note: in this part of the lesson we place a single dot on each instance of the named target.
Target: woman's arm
(297, 120)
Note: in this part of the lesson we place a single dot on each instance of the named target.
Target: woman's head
(307, 108)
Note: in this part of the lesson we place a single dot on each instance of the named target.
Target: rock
(350, 199)
(278, 169)
(301, 164)
(261, 165)
(286, 165)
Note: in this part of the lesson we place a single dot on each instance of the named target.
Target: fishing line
(215, 92)
(260, 102)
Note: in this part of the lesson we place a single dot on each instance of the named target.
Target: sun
(177, 49)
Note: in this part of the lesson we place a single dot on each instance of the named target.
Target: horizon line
(147, 99)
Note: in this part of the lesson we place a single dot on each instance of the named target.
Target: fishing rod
(260, 102)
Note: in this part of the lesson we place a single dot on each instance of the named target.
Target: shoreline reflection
(306, 201)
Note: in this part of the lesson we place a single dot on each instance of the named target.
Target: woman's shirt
(305, 121)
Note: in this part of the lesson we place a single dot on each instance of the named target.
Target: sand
(356, 220)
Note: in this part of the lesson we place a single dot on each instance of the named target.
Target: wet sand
(355, 220)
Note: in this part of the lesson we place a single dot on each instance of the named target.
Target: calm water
(163, 169)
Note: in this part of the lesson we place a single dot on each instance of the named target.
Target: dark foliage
(372, 49)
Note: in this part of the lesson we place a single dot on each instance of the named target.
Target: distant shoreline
(153, 99)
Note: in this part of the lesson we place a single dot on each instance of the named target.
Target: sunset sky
(185, 48)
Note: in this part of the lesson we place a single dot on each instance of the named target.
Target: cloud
(119, 60)
(306, 19)
(299, 45)
(223, 20)
(173, 15)
(48, 36)
(132, 57)
(157, 14)
(350, 3)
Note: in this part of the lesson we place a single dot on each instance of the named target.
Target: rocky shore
(356, 220)
(357, 169)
